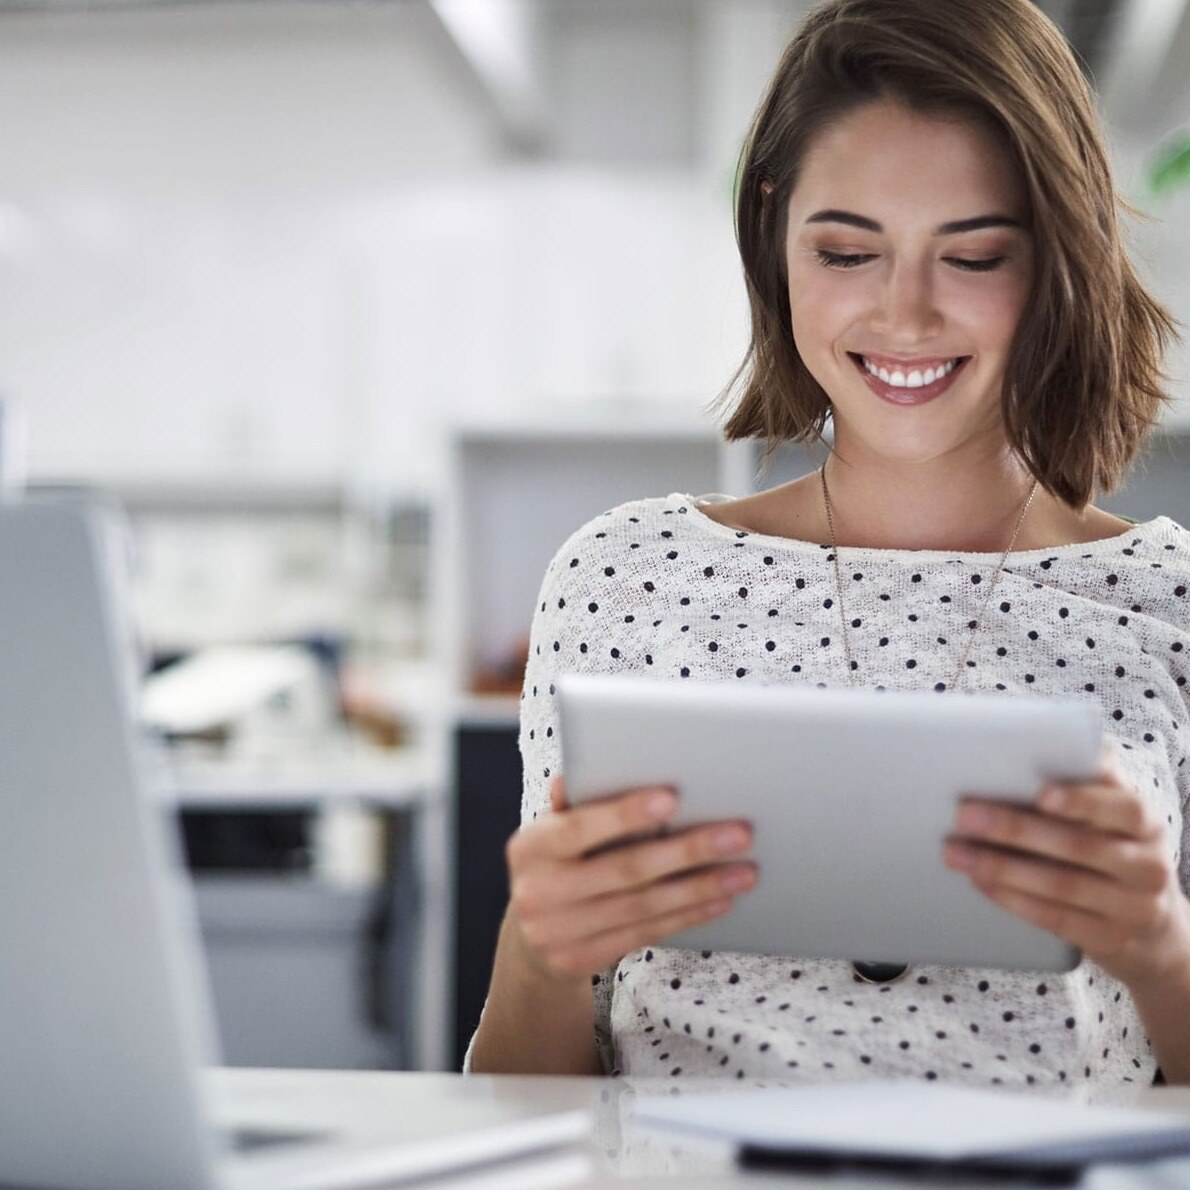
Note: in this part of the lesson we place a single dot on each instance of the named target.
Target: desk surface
(621, 1155)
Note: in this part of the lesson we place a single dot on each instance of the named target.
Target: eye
(841, 260)
(977, 266)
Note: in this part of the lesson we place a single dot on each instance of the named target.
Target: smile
(910, 375)
(908, 382)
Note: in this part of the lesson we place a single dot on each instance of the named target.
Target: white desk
(620, 1154)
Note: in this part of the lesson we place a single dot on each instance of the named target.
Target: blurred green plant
(1170, 169)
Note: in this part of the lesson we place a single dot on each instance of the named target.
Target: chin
(914, 433)
(900, 443)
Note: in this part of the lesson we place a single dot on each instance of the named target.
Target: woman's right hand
(585, 890)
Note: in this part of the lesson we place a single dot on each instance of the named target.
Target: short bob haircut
(1083, 386)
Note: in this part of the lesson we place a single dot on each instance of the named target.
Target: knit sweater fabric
(656, 587)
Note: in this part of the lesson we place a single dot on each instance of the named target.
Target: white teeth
(915, 379)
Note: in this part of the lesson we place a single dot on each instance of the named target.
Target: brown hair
(1083, 385)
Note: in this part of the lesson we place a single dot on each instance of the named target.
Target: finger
(1110, 770)
(557, 794)
(1090, 932)
(1062, 884)
(548, 883)
(625, 909)
(587, 827)
(637, 864)
(1108, 805)
(593, 954)
(1021, 828)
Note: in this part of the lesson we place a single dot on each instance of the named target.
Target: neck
(936, 505)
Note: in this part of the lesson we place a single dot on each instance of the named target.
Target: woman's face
(909, 256)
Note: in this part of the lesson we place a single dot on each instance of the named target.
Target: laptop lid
(104, 1018)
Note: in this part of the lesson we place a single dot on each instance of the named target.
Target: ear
(766, 188)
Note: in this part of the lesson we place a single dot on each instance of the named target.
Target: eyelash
(839, 260)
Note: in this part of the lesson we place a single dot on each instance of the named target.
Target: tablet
(851, 794)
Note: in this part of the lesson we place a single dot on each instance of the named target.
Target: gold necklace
(960, 671)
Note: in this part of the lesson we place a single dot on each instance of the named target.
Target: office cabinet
(293, 967)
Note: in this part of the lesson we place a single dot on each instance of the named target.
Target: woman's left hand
(1089, 862)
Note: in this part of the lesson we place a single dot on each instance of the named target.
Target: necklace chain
(960, 672)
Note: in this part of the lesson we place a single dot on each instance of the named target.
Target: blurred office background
(358, 309)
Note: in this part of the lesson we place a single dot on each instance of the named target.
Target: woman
(929, 234)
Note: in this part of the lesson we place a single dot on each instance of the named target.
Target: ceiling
(625, 81)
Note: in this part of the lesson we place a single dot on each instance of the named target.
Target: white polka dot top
(656, 587)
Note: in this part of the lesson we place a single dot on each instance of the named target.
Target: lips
(912, 389)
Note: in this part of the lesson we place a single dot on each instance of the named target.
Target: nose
(906, 311)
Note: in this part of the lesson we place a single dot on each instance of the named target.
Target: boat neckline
(797, 545)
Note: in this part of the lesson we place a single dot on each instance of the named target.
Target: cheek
(992, 312)
(822, 306)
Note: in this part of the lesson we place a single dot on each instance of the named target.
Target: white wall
(239, 244)
(172, 188)
(284, 241)
(172, 289)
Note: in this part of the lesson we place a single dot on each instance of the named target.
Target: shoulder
(625, 554)
(620, 532)
(1159, 547)
(1144, 569)
(1169, 565)
(1173, 538)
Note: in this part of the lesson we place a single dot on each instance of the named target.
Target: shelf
(487, 710)
(612, 420)
(406, 778)
(214, 497)
(515, 494)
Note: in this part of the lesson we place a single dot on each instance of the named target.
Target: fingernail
(730, 838)
(661, 804)
(739, 880)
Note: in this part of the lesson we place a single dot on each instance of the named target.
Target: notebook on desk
(105, 1018)
(901, 1126)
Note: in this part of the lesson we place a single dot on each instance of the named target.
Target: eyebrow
(947, 229)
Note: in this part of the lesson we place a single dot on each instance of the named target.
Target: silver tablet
(851, 794)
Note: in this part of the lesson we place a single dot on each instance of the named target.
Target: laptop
(107, 1035)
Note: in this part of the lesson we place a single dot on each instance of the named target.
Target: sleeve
(560, 641)
(1179, 777)
(1176, 766)
(1177, 660)
(1162, 753)
(1152, 747)
(1182, 849)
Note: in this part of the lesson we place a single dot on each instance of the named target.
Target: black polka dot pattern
(1108, 621)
